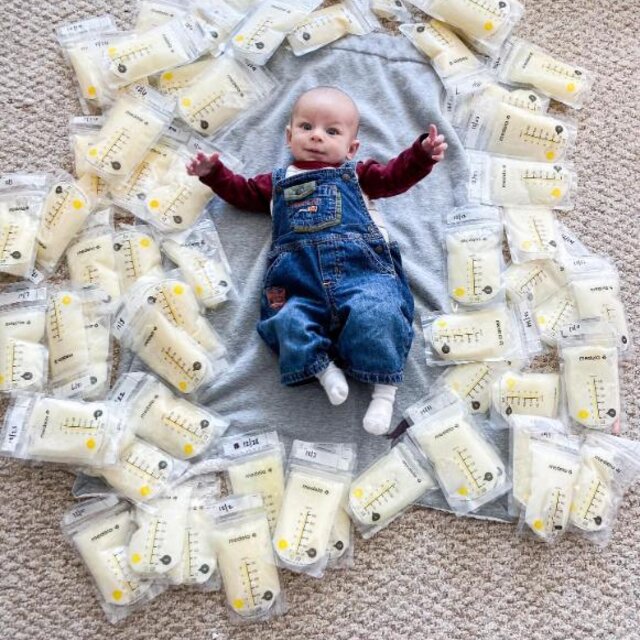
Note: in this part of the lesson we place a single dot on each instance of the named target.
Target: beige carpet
(429, 575)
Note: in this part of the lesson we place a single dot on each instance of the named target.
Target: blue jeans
(334, 289)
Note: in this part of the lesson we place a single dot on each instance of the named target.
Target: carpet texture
(430, 575)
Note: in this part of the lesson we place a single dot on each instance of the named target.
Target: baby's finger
(433, 131)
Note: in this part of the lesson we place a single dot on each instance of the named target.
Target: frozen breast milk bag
(328, 25)
(390, 485)
(92, 262)
(153, 14)
(139, 54)
(340, 539)
(173, 81)
(531, 232)
(176, 301)
(102, 545)
(598, 296)
(467, 466)
(553, 472)
(23, 357)
(169, 351)
(555, 313)
(592, 385)
(527, 64)
(263, 474)
(66, 336)
(245, 558)
(447, 52)
(535, 394)
(264, 30)
(20, 216)
(179, 200)
(208, 274)
(156, 546)
(136, 254)
(472, 383)
(534, 281)
(593, 504)
(221, 93)
(66, 210)
(131, 127)
(474, 258)
(390, 9)
(83, 43)
(508, 130)
(142, 471)
(306, 516)
(525, 430)
(68, 430)
(472, 336)
(174, 424)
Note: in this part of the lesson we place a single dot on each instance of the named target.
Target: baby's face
(323, 128)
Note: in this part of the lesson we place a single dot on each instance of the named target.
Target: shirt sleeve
(399, 174)
(249, 194)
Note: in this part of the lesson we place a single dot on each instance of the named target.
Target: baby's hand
(202, 164)
(434, 144)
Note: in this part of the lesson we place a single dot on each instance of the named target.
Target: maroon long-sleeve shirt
(376, 180)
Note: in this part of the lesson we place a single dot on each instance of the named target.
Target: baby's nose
(317, 134)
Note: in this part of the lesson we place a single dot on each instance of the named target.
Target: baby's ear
(287, 134)
(353, 149)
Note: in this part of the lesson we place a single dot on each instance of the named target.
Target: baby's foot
(334, 383)
(377, 420)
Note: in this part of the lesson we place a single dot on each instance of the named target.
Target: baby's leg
(297, 333)
(377, 420)
(334, 383)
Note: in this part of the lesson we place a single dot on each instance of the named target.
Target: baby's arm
(252, 194)
(401, 173)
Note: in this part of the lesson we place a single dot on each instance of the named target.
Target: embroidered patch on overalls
(276, 297)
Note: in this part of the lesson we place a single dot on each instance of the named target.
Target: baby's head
(323, 127)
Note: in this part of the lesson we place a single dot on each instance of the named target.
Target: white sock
(334, 383)
(377, 420)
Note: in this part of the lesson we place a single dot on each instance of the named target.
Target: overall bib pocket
(312, 206)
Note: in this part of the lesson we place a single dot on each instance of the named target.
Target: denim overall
(334, 289)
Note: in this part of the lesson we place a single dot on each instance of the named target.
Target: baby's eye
(306, 126)
(332, 131)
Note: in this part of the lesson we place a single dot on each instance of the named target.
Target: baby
(335, 299)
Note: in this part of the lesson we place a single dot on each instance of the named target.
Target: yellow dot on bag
(488, 25)
(167, 76)
(92, 91)
(282, 544)
(1, 379)
(145, 491)
(93, 152)
(458, 292)
(571, 87)
(77, 204)
(239, 38)
(188, 449)
(541, 320)
(186, 102)
(145, 242)
(199, 289)
(442, 323)
(556, 193)
(91, 443)
(357, 493)
(178, 289)
(238, 603)
(538, 525)
(511, 383)
(182, 385)
(526, 244)
(135, 558)
(456, 386)
(583, 414)
(154, 204)
(66, 300)
(550, 155)
(112, 51)
(117, 595)
(463, 491)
